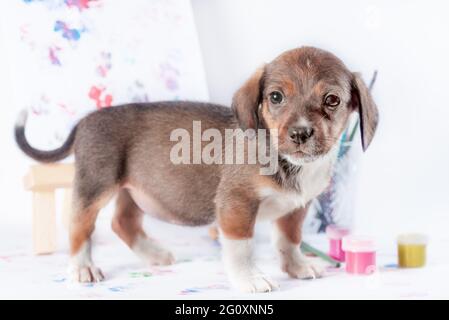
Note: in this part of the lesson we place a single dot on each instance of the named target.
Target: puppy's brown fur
(126, 150)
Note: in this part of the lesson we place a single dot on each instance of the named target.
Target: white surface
(198, 274)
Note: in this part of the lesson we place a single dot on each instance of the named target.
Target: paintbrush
(307, 248)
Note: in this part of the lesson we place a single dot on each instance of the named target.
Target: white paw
(241, 270)
(86, 274)
(302, 268)
(253, 282)
(153, 253)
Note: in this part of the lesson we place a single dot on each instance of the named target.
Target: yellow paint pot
(412, 250)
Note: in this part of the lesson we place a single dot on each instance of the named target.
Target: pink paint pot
(335, 235)
(360, 254)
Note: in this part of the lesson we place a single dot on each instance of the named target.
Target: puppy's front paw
(253, 282)
(302, 268)
(85, 274)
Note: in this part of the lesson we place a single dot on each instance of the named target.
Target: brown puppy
(305, 95)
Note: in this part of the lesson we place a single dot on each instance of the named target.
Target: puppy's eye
(332, 101)
(276, 97)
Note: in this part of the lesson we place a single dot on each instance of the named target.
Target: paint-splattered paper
(199, 272)
(70, 57)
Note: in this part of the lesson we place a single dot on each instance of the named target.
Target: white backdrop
(403, 177)
(403, 180)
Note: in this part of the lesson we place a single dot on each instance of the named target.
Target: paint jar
(335, 235)
(412, 250)
(360, 252)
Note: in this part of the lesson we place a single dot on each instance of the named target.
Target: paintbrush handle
(308, 248)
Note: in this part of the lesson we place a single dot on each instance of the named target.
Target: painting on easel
(75, 56)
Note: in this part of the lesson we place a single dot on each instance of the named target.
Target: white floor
(198, 273)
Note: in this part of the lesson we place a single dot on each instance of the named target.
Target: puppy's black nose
(300, 134)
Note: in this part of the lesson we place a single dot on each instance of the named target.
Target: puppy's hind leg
(82, 225)
(127, 224)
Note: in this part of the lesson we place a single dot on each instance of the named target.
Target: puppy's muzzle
(300, 135)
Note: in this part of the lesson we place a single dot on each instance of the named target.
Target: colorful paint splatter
(169, 75)
(90, 62)
(105, 65)
(53, 55)
(102, 99)
(140, 274)
(193, 290)
(67, 32)
(80, 4)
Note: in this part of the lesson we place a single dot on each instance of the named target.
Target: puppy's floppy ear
(368, 113)
(247, 99)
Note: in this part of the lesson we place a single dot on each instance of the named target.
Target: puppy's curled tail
(41, 155)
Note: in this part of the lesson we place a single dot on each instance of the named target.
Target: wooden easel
(43, 180)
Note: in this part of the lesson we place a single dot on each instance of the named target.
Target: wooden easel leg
(67, 207)
(44, 222)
